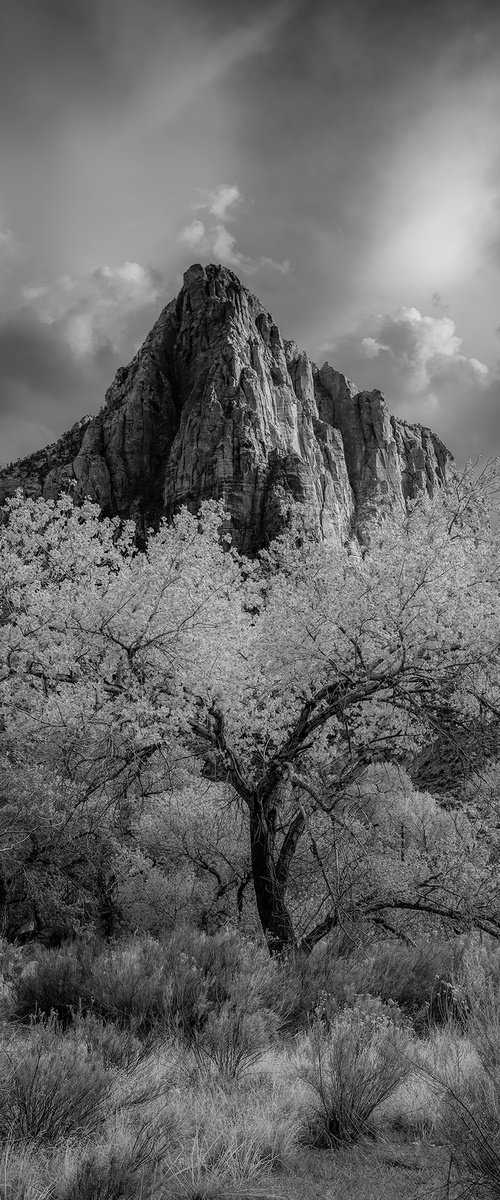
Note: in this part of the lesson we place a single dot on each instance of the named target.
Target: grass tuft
(50, 1089)
(352, 1068)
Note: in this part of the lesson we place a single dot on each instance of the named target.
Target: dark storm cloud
(32, 354)
(56, 56)
(43, 389)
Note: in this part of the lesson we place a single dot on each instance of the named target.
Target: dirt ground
(388, 1169)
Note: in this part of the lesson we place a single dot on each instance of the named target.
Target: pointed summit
(217, 404)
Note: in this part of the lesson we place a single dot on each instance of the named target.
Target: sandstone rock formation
(217, 404)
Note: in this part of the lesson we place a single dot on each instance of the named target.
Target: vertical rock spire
(216, 404)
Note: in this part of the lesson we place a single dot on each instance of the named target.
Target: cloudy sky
(343, 158)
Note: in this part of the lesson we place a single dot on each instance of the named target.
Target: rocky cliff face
(217, 404)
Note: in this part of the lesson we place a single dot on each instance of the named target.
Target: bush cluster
(138, 1066)
(221, 996)
(420, 980)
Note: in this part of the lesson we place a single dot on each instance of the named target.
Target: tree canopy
(206, 725)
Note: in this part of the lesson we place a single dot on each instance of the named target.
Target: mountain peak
(216, 404)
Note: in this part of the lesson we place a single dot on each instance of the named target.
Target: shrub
(217, 958)
(11, 965)
(233, 1040)
(420, 979)
(373, 1008)
(441, 1061)
(353, 1066)
(131, 984)
(409, 976)
(116, 1047)
(303, 980)
(448, 1002)
(95, 1176)
(121, 1167)
(175, 985)
(416, 978)
(56, 981)
(478, 984)
(233, 968)
(127, 983)
(151, 988)
(470, 1128)
(187, 999)
(50, 1088)
(470, 1119)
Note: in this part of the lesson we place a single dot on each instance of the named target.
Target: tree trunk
(3, 906)
(269, 892)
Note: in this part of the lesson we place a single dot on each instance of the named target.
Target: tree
(358, 660)
(98, 647)
(301, 686)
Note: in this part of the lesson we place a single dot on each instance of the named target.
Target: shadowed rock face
(217, 404)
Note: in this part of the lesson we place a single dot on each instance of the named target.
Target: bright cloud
(216, 240)
(418, 364)
(60, 350)
(219, 201)
(416, 344)
(193, 234)
(410, 348)
(435, 208)
(97, 312)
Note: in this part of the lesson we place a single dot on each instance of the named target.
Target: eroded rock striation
(217, 404)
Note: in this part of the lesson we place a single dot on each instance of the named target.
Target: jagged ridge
(217, 404)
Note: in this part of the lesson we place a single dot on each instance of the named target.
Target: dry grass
(176, 1132)
(24, 1175)
(352, 1067)
(373, 1171)
(470, 1113)
(125, 1163)
(50, 1089)
(438, 1062)
(232, 1040)
(171, 1088)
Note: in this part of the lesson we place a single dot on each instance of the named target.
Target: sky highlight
(342, 159)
